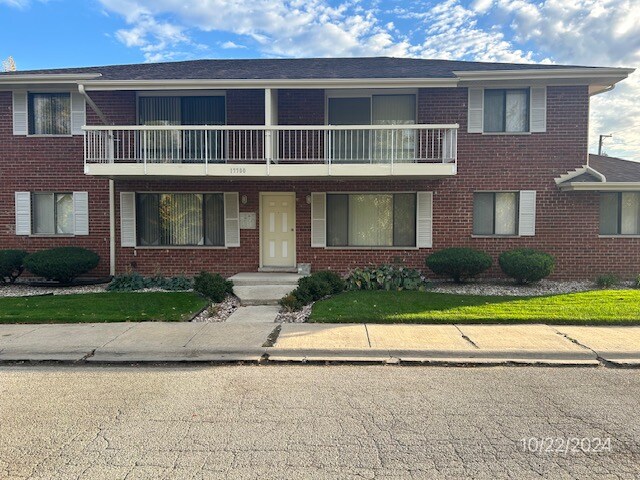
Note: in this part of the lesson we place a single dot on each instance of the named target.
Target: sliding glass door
(177, 146)
(372, 145)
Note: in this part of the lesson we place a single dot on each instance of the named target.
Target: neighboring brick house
(240, 165)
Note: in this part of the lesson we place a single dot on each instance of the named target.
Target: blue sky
(59, 33)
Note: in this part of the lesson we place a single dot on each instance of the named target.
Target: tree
(9, 65)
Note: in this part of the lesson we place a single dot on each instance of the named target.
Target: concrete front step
(251, 279)
(254, 314)
(262, 294)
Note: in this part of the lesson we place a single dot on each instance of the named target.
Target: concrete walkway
(244, 340)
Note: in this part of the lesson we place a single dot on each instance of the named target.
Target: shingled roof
(602, 171)
(298, 68)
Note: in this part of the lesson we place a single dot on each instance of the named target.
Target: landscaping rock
(218, 312)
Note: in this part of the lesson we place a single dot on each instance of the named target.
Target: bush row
(130, 282)
(525, 265)
(60, 265)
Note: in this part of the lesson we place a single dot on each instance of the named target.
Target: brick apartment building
(241, 165)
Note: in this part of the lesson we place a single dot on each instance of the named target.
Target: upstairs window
(506, 111)
(49, 114)
(495, 213)
(620, 213)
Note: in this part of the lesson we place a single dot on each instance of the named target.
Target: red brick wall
(39, 164)
(567, 223)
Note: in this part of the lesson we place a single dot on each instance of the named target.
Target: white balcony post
(144, 150)
(110, 146)
(268, 139)
(206, 151)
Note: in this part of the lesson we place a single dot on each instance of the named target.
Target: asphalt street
(277, 422)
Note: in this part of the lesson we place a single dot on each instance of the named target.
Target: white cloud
(588, 32)
(230, 45)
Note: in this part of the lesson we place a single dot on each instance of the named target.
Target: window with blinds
(360, 146)
(620, 213)
(495, 213)
(180, 219)
(52, 214)
(49, 113)
(188, 110)
(506, 110)
(371, 220)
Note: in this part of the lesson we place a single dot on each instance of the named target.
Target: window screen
(506, 110)
(495, 213)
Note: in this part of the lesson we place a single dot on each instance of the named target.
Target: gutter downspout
(112, 189)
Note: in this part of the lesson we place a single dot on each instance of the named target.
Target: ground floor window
(371, 220)
(620, 213)
(495, 213)
(180, 219)
(52, 214)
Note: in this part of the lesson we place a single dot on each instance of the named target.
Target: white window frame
(505, 88)
(177, 247)
(517, 215)
(616, 235)
(29, 113)
(328, 247)
(54, 234)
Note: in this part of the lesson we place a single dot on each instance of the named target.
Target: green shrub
(637, 282)
(607, 280)
(311, 288)
(290, 303)
(459, 264)
(130, 282)
(11, 265)
(213, 286)
(526, 265)
(332, 278)
(61, 264)
(385, 277)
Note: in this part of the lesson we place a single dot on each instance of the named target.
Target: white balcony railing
(177, 144)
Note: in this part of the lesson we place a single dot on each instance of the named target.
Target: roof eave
(173, 84)
(600, 186)
(49, 78)
(559, 73)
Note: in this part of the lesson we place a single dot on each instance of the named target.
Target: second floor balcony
(262, 151)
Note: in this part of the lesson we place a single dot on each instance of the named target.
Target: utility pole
(602, 137)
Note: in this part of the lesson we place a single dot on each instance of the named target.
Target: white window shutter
(424, 220)
(318, 219)
(23, 213)
(538, 118)
(527, 220)
(475, 118)
(78, 113)
(127, 219)
(20, 123)
(231, 219)
(81, 213)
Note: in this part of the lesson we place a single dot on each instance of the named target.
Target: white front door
(278, 228)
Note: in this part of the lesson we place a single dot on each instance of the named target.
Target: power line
(625, 129)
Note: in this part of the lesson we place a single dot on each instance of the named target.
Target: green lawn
(594, 307)
(101, 307)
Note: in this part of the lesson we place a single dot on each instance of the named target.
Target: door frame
(262, 224)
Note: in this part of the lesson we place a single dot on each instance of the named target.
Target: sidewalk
(200, 342)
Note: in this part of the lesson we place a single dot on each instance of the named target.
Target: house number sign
(248, 220)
